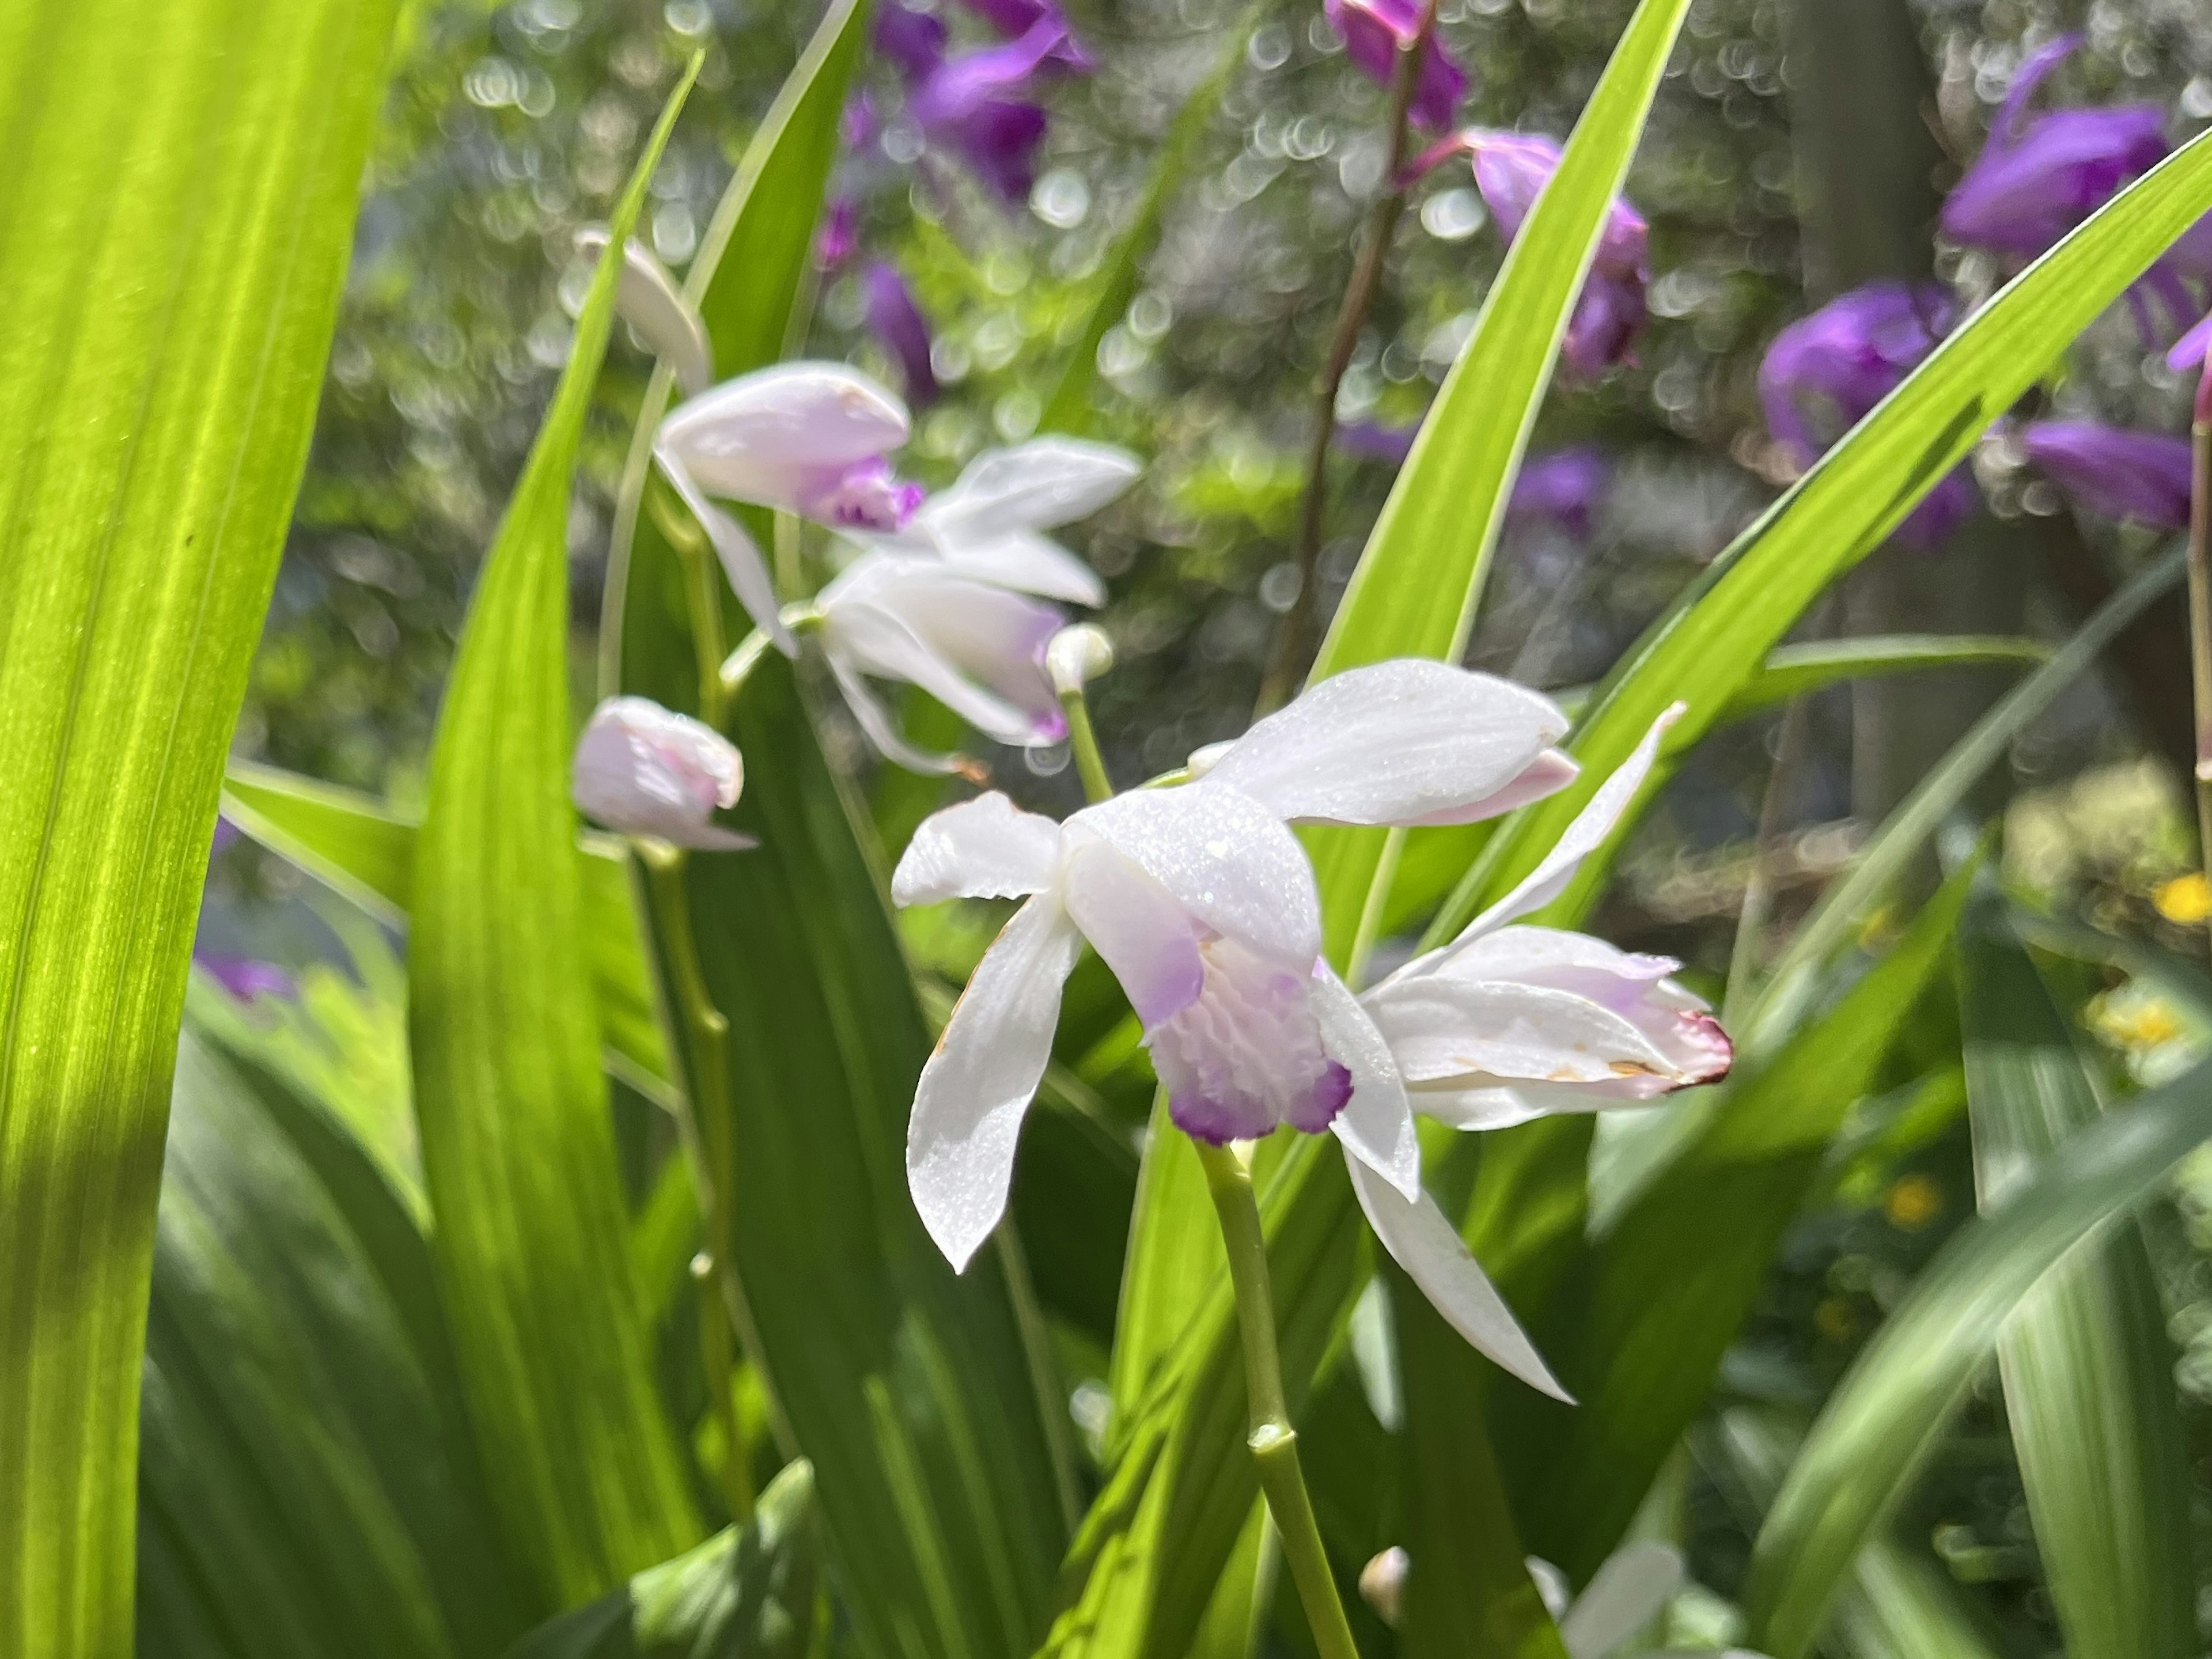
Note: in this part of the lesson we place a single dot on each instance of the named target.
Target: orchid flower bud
(1375, 32)
(642, 770)
(895, 319)
(650, 300)
(807, 438)
(1076, 656)
(1383, 1583)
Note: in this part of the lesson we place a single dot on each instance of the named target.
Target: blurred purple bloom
(1845, 358)
(839, 238)
(970, 105)
(226, 836)
(856, 126)
(246, 979)
(1565, 487)
(1510, 171)
(1371, 441)
(897, 321)
(2034, 182)
(2191, 349)
(1015, 18)
(2115, 473)
(1373, 31)
(914, 40)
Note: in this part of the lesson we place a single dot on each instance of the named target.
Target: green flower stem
(711, 1134)
(1274, 1442)
(702, 592)
(1090, 764)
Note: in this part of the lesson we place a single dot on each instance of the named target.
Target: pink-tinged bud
(1375, 32)
(642, 770)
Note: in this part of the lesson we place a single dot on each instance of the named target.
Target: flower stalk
(1274, 1442)
(2200, 605)
(1291, 641)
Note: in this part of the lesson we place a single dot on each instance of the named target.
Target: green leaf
(2087, 1370)
(308, 1483)
(1711, 639)
(364, 852)
(1847, 902)
(1416, 587)
(1891, 1408)
(180, 194)
(1074, 395)
(518, 1146)
(1666, 1290)
(745, 1594)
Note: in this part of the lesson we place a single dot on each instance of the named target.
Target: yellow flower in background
(2185, 899)
(1913, 1202)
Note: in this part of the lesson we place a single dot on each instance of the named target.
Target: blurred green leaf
(1847, 902)
(1074, 395)
(2088, 1372)
(1416, 587)
(1713, 638)
(179, 195)
(1891, 1408)
(748, 1592)
(308, 1487)
(1639, 1334)
(518, 1146)
(362, 850)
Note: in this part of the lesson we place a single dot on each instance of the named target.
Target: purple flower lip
(2114, 472)
(1374, 31)
(895, 319)
(1564, 487)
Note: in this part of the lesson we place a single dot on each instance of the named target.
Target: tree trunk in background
(1867, 158)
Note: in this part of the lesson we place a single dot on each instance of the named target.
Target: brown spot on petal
(972, 769)
(1631, 1068)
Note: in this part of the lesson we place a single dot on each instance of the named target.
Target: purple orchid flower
(2190, 350)
(970, 105)
(1374, 31)
(1371, 441)
(896, 320)
(2114, 472)
(1014, 18)
(1845, 358)
(912, 40)
(1510, 171)
(246, 979)
(1565, 487)
(857, 124)
(839, 238)
(2035, 181)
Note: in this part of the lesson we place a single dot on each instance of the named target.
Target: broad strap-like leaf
(1716, 632)
(365, 851)
(2088, 1372)
(178, 194)
(518, 1146)
(748, 1592)
(1891, 1409)
(1416, 587)
(308, 1485)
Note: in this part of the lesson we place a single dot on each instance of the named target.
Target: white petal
(1493, 1107)
(1029, 563)
(1377, 1124)
(763, 425)
(1584, 836)
(1135, 924)
(1551, 1584)
(873, 640)
(1402, 742)
(1549, 772)
(1422, 1241)
(969, 1106)
(650, 302)
(1440, 1027)
(1553, 956)
(645, 770)
(987, 847)
(1033, 486)
(881, 729)
(1228, 860)
(1626, 1594)
(740, 559)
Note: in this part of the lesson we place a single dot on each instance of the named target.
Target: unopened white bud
(1383, 1584)
(643, 770)
(650, 302)
(1077, 656)
(1204, 760)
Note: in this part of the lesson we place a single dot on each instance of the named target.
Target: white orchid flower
(1203, 902)
(650, 300)
(989, 524)
(955, 604)
(643, 770)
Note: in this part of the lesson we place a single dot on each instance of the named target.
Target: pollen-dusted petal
(642, 770)
(976, 1088)
(987, 847)
(1429, 1247)
(1398, 742)
(1226, 858)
